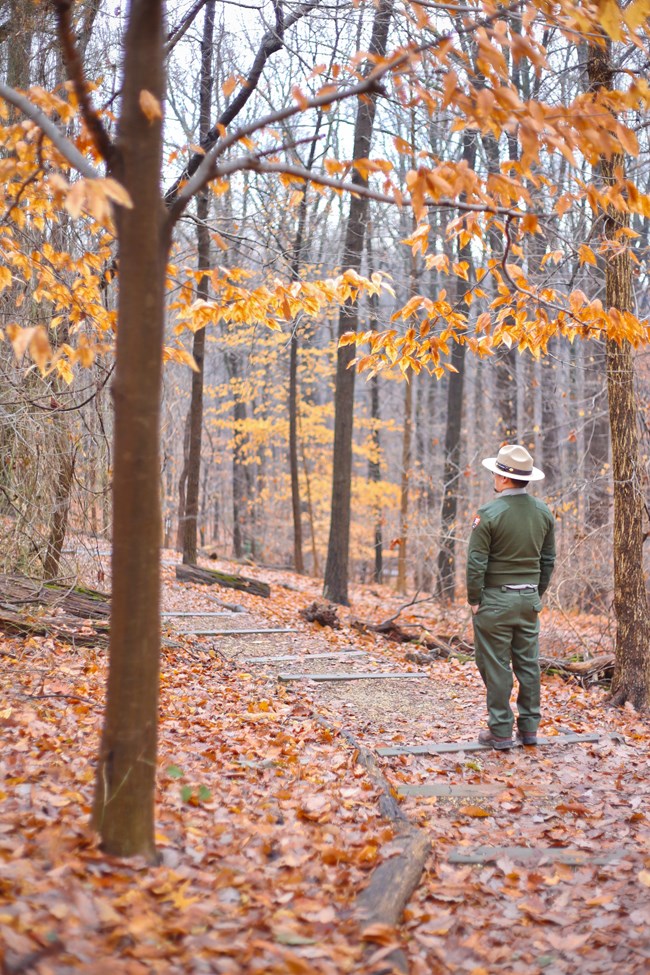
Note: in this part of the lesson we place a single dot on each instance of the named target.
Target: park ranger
(509, 564)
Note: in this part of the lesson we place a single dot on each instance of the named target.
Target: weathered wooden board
(233, 632)
(170, 615)
(304, 657)
(425, 791)
(573, 857)
(370, 675)
(438, 748)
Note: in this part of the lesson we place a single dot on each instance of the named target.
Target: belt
(524, 585)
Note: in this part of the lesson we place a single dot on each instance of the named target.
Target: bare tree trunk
(404, 488)
(374, 460)
(124, 791)
(296, 506)
(191, 512)
(66, 456)
(182, 483)
(239, 474)
(298, 560)
(336, 569)
(455, 381)
(632, 669)
(374, 475)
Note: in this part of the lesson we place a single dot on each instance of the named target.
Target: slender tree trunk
(374, 460)
(374, 475)
(455, 386)
(407, 432)
(336, 569)
(632, 669)
(182, 483)
(298, 561)
(240, 493)
(191, 513)
(66, 456)
(296, 506)
(126, 769)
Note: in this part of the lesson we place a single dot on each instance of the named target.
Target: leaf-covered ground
(268, 828)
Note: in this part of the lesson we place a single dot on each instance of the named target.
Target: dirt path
(561, 881)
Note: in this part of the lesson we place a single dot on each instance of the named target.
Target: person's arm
(477, 559)
(547, 559)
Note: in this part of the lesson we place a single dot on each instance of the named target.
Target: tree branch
(67, 149)
(72, 61)
(175, 35)
(271, 42)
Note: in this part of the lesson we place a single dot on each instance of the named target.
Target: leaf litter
(268, 830)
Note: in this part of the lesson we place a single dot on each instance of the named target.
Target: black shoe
(527, 737)
(487, 738)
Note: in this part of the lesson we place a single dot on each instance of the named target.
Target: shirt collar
(509, 491)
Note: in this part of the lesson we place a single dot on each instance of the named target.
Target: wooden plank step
(306, 657)
(426, 791)
(439, 748)
(224, 612)
(234, 632)
(527, 854)
(376, 675)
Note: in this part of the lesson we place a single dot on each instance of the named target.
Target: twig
(62, 697)
(74, 65)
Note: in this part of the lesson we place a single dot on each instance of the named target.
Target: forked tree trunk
(124, 791)
(338, 549)
(632, 671)
(191, 513)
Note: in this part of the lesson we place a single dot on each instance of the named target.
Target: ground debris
(322, 612)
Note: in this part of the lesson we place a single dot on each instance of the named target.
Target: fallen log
(78, 601)
(69, 631)
(393, 882)
(210, 577)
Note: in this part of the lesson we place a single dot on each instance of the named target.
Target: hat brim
(535, 474)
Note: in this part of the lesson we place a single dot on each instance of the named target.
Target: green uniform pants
(506, 628)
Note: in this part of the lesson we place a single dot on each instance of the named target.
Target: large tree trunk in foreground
(336, 568)
(191, 512)
(632, 672)
(124, 792)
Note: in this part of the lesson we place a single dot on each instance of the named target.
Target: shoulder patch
(476, 522)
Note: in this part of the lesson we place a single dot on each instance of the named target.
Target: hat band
(513, 470)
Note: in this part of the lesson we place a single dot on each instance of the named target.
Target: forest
(275, 278)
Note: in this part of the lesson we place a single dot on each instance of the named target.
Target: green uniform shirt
(512, 542)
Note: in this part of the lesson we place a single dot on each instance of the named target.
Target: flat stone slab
(377, 675)
(234, 632)
(425, 791)
(438, 748)
(305, 657)
(526, 854)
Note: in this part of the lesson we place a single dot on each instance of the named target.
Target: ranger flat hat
(515, 462)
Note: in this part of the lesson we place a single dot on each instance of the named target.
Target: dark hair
(519, 483)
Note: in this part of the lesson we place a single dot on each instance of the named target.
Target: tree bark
(296, 506)
(66, 457)
(190, 520)
(336, 568)
(631, 680)
(239, 474)
(455, 381)
(124, 792)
